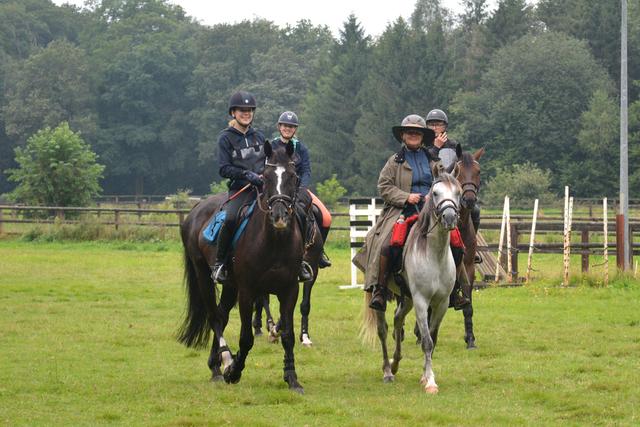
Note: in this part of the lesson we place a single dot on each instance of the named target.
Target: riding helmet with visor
(242, 99)
(437, 115)
(289, 118)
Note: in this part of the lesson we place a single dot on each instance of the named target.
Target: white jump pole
(566, 224)
(504, 219)
(606, 243)
(533, 232)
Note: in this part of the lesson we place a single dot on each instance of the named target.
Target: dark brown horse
(266, 260)
(312, 256)
(469, 179)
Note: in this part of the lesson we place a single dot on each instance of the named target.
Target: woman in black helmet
(240, 159)
(404, 183)
(287, 126)
(444, 148)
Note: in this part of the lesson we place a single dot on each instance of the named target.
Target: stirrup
(478, 259)
(378, 301)
(306, 272)
(218, 274)
(324, 261)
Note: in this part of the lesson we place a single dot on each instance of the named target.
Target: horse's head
(444, 199)
(281, 185)
(469, 177)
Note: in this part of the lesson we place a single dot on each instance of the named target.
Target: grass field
(87, 340)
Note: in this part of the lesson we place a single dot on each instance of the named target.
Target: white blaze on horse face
(280, 170)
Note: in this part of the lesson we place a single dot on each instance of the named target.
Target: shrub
(330, 191)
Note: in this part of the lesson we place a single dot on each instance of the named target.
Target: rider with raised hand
(287, 126)
(241, 159)
(404, 183)
(444, 148)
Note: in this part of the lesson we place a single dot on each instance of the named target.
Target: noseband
(289, 202)
(438, 210)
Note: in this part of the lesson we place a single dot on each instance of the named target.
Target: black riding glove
(255, 179)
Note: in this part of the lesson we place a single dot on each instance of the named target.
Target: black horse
(312, 256)
(266, 260)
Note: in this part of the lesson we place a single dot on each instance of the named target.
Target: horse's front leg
(398, 334)
(428, 342)
(467, 288)
(288, 302)
(305, 309)
(233, 372)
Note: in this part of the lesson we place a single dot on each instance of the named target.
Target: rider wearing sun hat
(404, 182)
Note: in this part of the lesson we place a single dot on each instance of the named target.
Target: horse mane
(418, 235)
(467, 158)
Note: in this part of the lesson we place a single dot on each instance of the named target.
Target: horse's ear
(478, 154)
(459, 151)
(456, 171)
(268, 149)
(437, 168)
(290, 148)
(451, 168)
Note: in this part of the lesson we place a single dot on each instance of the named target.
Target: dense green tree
(531, 101)
(522, 183)
(331, 109)
(53, 86)
(28, 25)
(146, 135)
(56, 169)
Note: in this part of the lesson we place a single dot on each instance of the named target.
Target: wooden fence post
(181, 218)
(140, 210)
(0, 221)
(117, 219)
(585, 256)
(514, 247)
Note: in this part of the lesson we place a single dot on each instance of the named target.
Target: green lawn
(87, 340)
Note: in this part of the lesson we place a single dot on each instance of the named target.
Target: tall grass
(87, 336)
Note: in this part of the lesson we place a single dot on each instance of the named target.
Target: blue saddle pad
(210, 233)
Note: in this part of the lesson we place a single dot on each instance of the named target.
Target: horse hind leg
(469, 338)
(383, 330)
(398, 332)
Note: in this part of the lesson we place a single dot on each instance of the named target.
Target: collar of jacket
(400, 155)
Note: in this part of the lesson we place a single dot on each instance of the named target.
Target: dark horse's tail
(195, 330)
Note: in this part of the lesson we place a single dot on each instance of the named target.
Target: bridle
(438, 210)
(288, 201)
(474, 188)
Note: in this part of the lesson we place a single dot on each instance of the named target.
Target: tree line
(147, 88)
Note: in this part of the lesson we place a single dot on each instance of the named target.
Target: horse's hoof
(306, 342)
(258, 333)
(216, 378)
(232, 375)
(432, 389)
(297, 387)
(389, 379)
(471, 345)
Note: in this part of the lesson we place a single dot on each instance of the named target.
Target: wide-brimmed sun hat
(414, 122)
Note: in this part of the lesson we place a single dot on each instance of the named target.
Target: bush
(330, 191)
(56, 169)
(217, 188)
(522, 183)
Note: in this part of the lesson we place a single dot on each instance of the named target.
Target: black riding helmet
(437, 115)
(289, 118)
(242, 99)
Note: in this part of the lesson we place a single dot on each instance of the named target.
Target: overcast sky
(373, 18)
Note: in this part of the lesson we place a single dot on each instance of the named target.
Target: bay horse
(266, 260)
(312, 256)
(430, 272)
(469, 179)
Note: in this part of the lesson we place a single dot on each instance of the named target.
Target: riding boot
(461, 300)
(378, 300)
(219, 270)
(324, 259)
(306, 272)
